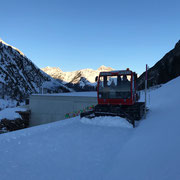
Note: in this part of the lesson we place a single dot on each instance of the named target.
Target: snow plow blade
(130, 113)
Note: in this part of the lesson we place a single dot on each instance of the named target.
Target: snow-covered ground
(10, 113)
(77, 149)
(7, 103)
(86, 94)
(8, 109)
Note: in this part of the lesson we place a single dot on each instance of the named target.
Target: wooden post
(145, 92)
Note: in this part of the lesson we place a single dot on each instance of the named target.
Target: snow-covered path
(67, 150)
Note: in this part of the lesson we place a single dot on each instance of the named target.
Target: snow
(75, 76)
(6, 103)
(4, 43)
(53, 84)
(107, 121)
(86, 94)
(53, 152)
(10, 113)
(84, 149)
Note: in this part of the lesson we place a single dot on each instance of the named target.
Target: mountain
(164, 70)
(80, 80)
(19, 76)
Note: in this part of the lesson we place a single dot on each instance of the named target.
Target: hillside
(20, 77)
(104, 148)
(164, 70)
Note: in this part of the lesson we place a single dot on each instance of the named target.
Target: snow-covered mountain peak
(85, 78)
(75, 76)
(104, 68)
(51, 69)
(3, 43)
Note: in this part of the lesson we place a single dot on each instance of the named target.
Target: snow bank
(10, 113)
(6, 103)
(108, 121)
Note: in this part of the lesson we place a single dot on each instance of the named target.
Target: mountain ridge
(69, 77)
(20, 77)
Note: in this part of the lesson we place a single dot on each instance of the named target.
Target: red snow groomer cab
(117, 88)
(117, 96)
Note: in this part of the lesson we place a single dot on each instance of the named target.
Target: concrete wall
(50, 108)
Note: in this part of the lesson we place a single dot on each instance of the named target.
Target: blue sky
(76, 34)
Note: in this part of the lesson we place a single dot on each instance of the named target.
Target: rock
(164, 70)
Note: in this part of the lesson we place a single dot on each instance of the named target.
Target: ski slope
(108, 149)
